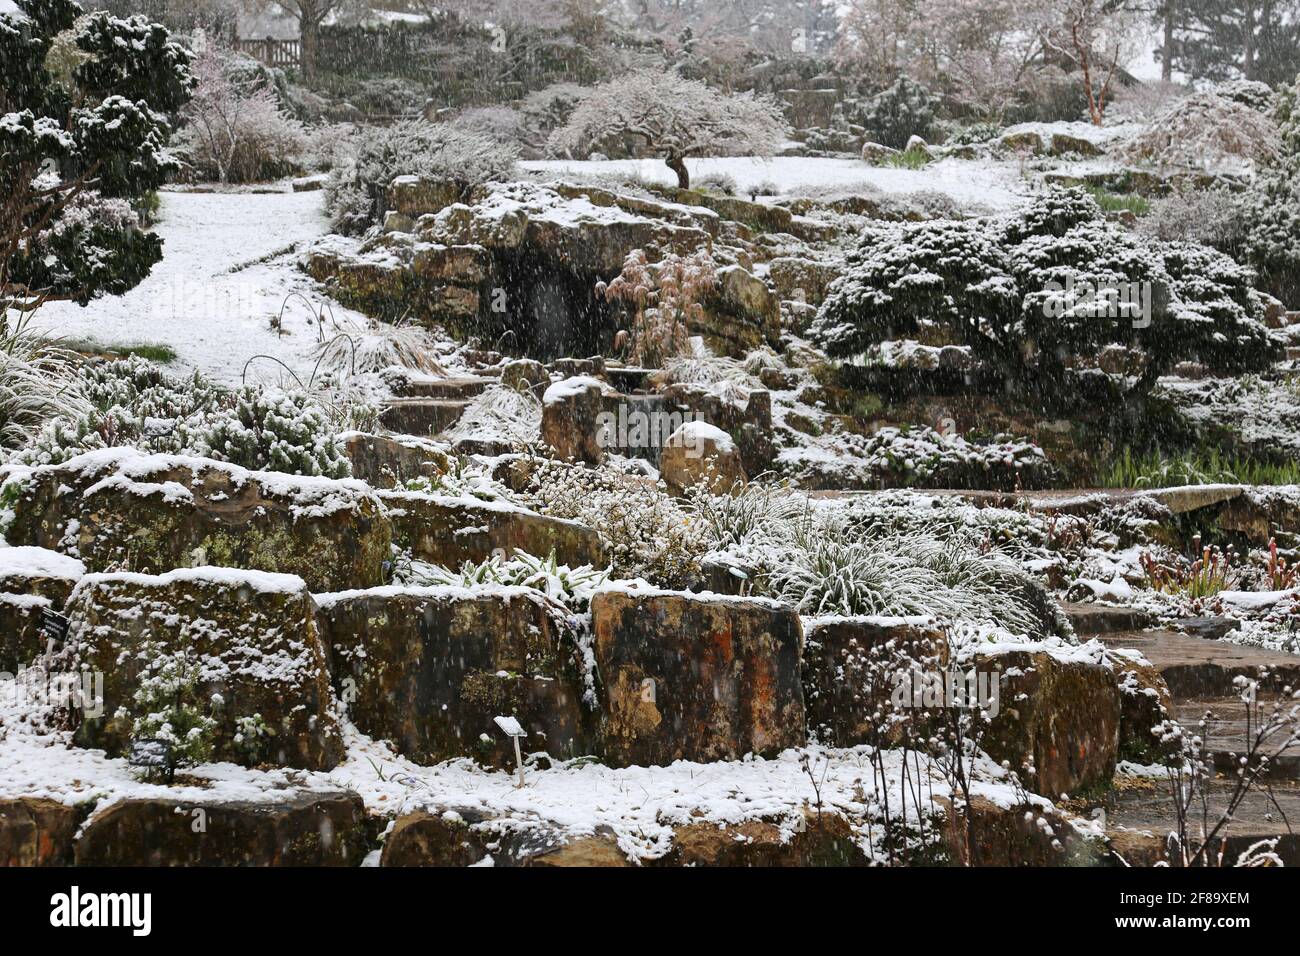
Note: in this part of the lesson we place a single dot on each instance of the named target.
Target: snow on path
(994, 184)
(214, 318)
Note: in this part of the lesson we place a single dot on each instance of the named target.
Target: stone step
(1195, 668)
(457, 388)
(1143, 816)
(1091, 619)
(1226, 734)
(421, 416)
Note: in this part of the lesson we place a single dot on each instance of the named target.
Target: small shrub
(649, 534)
(664, 297)
(166, 708)
(355, 195)
(899, 112)
(235, 131)
(134, 402)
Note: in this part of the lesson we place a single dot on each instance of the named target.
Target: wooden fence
(282, 53)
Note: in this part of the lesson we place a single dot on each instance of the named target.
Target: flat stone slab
(1088, 619)
(1193, 667)
(1081, 501)
(1143, 816)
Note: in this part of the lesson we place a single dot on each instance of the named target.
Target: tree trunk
(308, 47)
(1248, 36)
(1167, 53)
(678, 165)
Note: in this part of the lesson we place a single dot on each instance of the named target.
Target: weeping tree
(673, 118)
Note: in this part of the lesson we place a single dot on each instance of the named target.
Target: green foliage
(1038, 293)
(1119, 202)
(134, 402)
(907, 159)
(167, 707)
(78, 145)
(899, 112)
(1206, 466)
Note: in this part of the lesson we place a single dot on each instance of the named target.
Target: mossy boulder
(295, 827)
(263, 673)
(153, 513)
(850, 666)
(429, 668)
(696, 676)
(450, 531)
(31, 581)
(1057, 713)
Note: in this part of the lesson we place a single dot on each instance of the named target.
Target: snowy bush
(1207, 131)
(648, 533)
(355, 194)
(235, 131)
(1272, 207)
(899, 112)
(1037, 295)
(78, 147)
(1258, 96)
(1212, 217)
(134, 402)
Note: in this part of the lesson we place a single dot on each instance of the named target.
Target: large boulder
(121, 508)
(450, 531)
(296, 827)
(696, 676)
(1145, 703)
(850, 667)
(466, 836)
(37, 831)
(386, 461)
(740, 315)
(571, 409)
(429, 668)
(700, 454)
(32, 580)
(744, 414)
(801, 280)
(1057, 713)
(262, 674)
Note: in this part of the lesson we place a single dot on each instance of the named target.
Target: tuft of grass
(1197, 467)
(153, 352)
(907, 159)
(1120, 202)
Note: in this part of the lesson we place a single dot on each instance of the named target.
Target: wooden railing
(272, 52)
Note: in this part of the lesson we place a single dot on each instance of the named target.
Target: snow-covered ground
(229, 265)
(997, 185)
